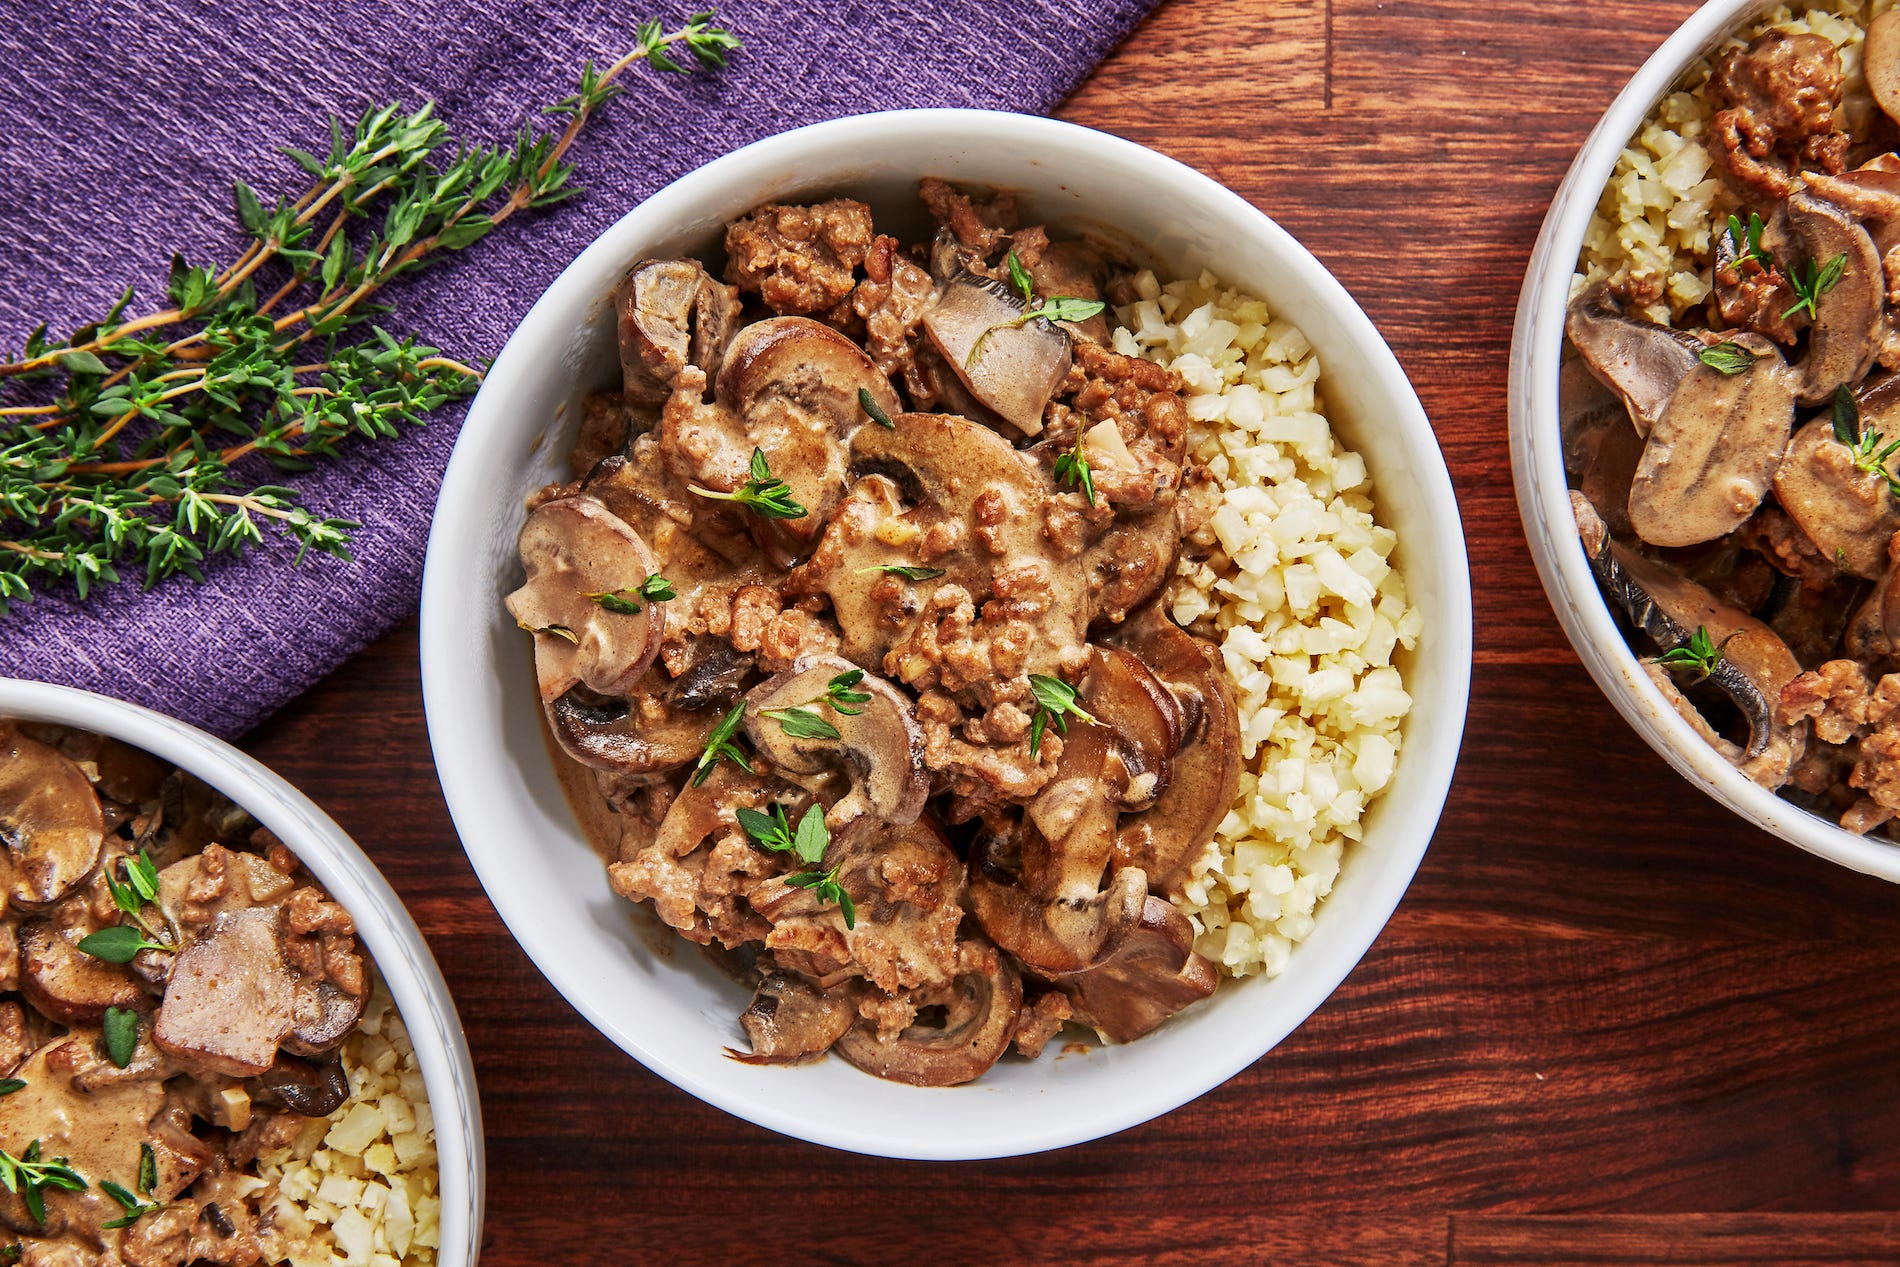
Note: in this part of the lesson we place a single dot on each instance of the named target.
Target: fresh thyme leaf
(1019, 278)
(617, 602)
(148, 1169)
(1730, 358)
(761, 494)
(1063, 308)
(813, 838)
(657, 589)
(868, 403)
(134, 1208)
(145, 450)
(558, 631)
(908, 573)
(1871, 454)
(9, 1085)
(719, 746)
(842, 698)
(121, 1027)
(27, 1175)
(1700, 654)
(1055, 702)
(143, 873)
(1073, 468)
(1816, 281)
(769, 831)
(626, 602)
(803, 723)
(825, 887)
(1747, 241)
(120, 943)
(1846, 416)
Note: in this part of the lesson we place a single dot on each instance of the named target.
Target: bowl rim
(458, 507)
(383, 924)
(1543, 491)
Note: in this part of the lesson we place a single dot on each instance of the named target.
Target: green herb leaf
(842, 698)
(1730, 358)
(908, 573)
(761, 494)
(1055, 701)
(134, 1208)
(619, 602)
(1816, 281)
(148, 1169)
(869, 404)
(719, 746)
(1700, 654)
(119, 944)
(825, 887)
(82, 363)
(1846, 416)
(1020, 279)
(1064, 308)
(1073, 468)
(802, 723)
(813, 838)
(9, 1085)
(121, 1034)
(1871, 454)
(656, 588)
(769, 831)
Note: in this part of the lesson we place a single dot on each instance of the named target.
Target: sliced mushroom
(881, 747)
(50, 823)
(63, 981)
(1880, 59)
(790, 1019)
(1010, 365)
(980, 1007)
(1141, 721)
(1601, 446)
(1164, 841)
(1847, 326)
(576, 552)
(1669, 608)
(311, 1088)
(231, 1001)
(631, 737)
(672, 314)
(1712, 453)
(1152, 974)
(1874, 629)
(1849, 514)
(1642, 362)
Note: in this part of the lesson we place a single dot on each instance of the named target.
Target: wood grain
(1608, 1025)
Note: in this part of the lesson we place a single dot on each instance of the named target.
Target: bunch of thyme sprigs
(130, 453)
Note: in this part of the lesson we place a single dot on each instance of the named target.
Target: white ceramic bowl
(674, 1012)
(382, 924)
(1543, 496)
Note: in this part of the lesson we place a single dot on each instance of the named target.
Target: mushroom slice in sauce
(230, 1001)
(64, 982)
(1152, 974)
(1640, 361)
(881, 747)
(1712, 453)
(1850, 514)
(51, 828)
(672, 314)
(789, 1019)
(577, 553)
(1011, 366)
(1142, 720)
(1880, 57)
(1847, 326)
(1669, 608)
(980, 1007)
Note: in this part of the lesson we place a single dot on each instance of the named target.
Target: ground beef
(1779, 98)
(891, 301)
(978, 226)
(1041, 1021)
(1834, 697)
(799, 259)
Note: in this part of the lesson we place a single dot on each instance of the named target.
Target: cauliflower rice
(365, 1177)
(1653, 231)
(1292, 578)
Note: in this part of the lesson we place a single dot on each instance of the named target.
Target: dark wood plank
(1609, 1023)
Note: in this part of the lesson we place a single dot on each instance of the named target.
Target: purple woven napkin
(125, 124)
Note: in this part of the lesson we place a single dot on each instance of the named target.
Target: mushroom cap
(1849, 514)
(1847, 329)
(1141, 722)
(790, 1019)
(881, 748)
(672, 314)
(231, 1000)
(66, 983)
(51, 826)
(1640, 361)
(1880, 60)
(981, 1006)
(1017, 367)
(1712, 454)
(1152, 974)
(574, 547)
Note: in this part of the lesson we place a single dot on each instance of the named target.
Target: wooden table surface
(1608, 1024)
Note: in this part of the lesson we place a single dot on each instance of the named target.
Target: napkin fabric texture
(126, 122)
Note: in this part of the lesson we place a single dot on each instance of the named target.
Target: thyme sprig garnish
(1700, 655)
(131, 896)
(773, 832)
(1815, 281)
(120, 1028)
(719, 746)
(761, 493)
(9, 1085)
(1729, 358)
(802, 723)
(132, 453)
(626, 602)
(134, 1208)
(906, 571)
(1055, 702)
(29, 1177)
(1072, 468)
(1747, 242)
(873, 410)
(805, 722)
(1871, 454)
(1052, 308)
(1846, 416)
(842, 698)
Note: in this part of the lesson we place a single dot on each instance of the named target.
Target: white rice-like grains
(365, 1177)
(1298, 586)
